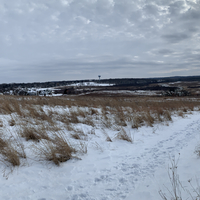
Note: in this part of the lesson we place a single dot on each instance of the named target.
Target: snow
(129, 92)
(111, 170)
(90, 84)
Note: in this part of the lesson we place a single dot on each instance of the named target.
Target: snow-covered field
(135, 92)
(109, 170)
(90, 84)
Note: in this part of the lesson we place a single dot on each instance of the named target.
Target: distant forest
(117, 82)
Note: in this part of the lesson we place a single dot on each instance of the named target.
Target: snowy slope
(111, 170)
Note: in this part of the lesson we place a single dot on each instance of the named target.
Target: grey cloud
(176, 7)
(83, 38)
(176, 37)
(191, 14)
(151, 9)
(165, 51)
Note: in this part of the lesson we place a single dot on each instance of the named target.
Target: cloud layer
(71, 39)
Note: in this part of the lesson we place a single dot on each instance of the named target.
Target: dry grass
(41, 118)
(108, 139)
(149, 119)
(57, 150)
(139, 110)
(31, 133)
(167, 115)
(180, 114)
(36, 112)
(79, 134)
(92, 131)
(82, 148)
(12, 122)
(123, 135)
(88, 121)
(11, 151)
(76, 136)
(74, 118)
(197, 150)
(93, 111)
(138, 121)
(1, 123)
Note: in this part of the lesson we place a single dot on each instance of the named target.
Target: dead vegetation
(50, 121)
(123, 135)
(1, 123)
(11, 150)
(176, 190)
(31, 133)
(57, 150)
(197, 150)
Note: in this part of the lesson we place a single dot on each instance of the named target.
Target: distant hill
(118, 82)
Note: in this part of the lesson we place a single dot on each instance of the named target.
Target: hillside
(167, 86)
(83, 147)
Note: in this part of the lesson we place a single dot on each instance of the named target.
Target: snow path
(109, 172)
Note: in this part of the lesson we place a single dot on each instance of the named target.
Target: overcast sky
(47, 40)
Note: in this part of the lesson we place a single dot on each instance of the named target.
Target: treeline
(117, 82)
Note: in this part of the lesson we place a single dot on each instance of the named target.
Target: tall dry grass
(11, 150)
(42, 119)
(57, 150)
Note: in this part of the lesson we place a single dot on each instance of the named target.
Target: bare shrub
(176, 187)
(123, 135)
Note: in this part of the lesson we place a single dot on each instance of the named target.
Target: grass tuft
(123, 135)
(57, 150)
